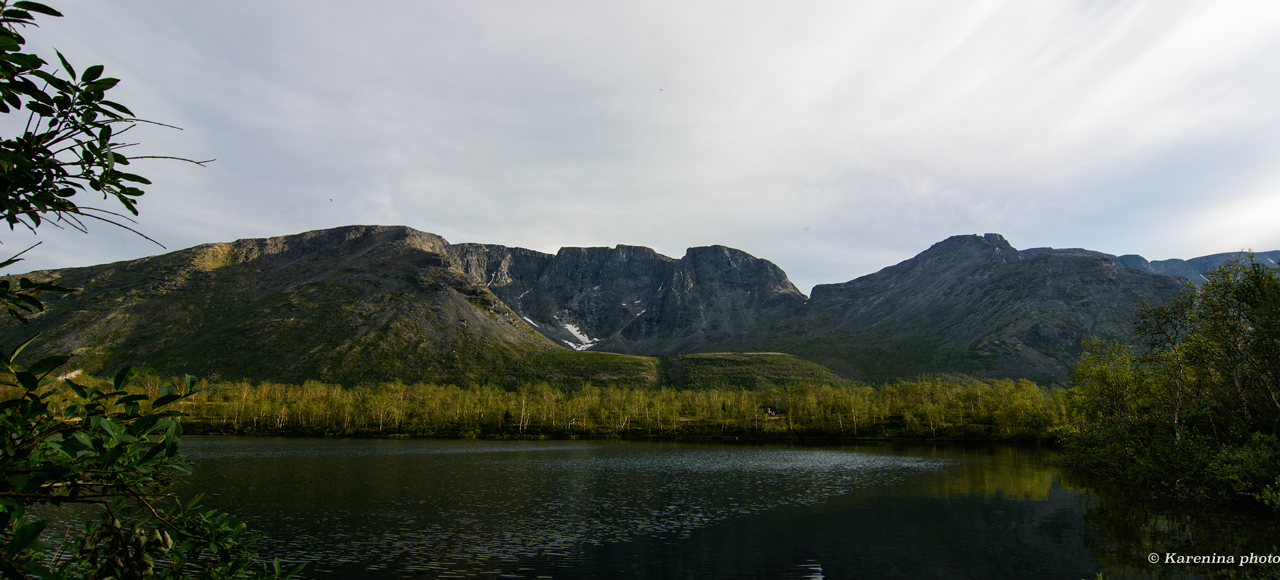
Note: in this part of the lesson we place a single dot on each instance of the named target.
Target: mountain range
(370, 303)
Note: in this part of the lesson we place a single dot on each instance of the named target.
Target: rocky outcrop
(633, 300)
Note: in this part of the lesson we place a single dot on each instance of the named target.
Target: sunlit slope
(346, 305)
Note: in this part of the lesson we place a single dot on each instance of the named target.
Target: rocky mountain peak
(970, 249)
(939, 267)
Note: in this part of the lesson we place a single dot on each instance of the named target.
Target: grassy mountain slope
(342, 305)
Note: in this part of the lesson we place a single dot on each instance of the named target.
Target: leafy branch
(71, 443)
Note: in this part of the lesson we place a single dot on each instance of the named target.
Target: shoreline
(1046, 440)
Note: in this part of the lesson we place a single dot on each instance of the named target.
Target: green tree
(71, 443)
(69, 145)
(1192, 406)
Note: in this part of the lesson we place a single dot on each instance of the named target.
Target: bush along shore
(955, 408)
(1193, 409)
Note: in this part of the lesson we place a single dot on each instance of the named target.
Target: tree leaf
(131, 177)
(155, 450)
(83, 438)
(16, 14)
(66, 65)
(122, 377)
(27, 380)
(48, 364)
(117, 107)
(92, 73)
(24, 536)
(141, 426)
(22, 346)
(165, 400)
(36, 7)
(111, 428)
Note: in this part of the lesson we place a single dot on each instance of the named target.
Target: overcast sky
(831, 138)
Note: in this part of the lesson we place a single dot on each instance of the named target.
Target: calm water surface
(565, 509)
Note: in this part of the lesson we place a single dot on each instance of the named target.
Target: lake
(360, 508)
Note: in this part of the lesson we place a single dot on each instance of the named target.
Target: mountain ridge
(390, 302)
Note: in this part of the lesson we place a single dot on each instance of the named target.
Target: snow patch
(526, 319)
(642, 312)
(521, 296)
(585, 341)
(576, 332)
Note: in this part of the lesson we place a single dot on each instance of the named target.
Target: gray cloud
(832, 138)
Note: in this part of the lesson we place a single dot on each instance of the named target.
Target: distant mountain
(363, 303)
(1193, 270)
(971, 304)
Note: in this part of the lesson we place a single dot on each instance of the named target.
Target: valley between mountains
(379, 303)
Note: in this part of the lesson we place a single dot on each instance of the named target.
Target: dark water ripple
(481, 508)
(375, 509)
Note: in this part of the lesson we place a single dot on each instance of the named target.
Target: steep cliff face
(633, 300)
(714, 298)
(586, 295)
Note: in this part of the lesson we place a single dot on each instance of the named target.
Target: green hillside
(742, 370)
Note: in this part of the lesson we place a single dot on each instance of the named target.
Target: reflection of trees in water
(1122, 526)
(1125, 526)
(1009, 471)
(986, 471)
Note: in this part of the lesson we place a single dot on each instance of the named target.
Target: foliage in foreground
(956, 408)
(112, 447)
(67, 443)
(1193, 408)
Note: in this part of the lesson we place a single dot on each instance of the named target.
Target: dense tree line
(1193, 405)
(953, 408)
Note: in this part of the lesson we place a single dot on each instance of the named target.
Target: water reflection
(441, 509)
(422, 509)
(1125, 528)
(986, 471)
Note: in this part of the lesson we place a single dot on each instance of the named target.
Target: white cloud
(831, 138)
